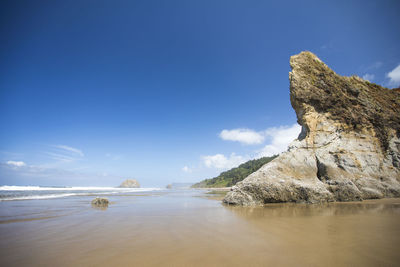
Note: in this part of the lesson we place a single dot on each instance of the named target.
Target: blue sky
(93, 92)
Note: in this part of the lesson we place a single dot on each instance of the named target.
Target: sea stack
(348, 149)
(130, 183)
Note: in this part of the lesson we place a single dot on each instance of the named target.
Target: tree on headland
(235, 175)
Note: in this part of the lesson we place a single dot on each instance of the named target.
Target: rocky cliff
(348, 149)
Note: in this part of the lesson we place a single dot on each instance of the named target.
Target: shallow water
(188, 228)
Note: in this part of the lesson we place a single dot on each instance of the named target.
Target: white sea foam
(37, 197)
(37, 192)
(91, 188)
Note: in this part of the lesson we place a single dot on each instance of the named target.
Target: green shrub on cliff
(232, 176)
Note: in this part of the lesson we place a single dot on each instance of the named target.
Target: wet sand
(191, 228)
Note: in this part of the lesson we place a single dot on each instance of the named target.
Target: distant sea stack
(130, 183)
(348, 149)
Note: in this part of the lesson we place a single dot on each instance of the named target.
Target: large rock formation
(348, 149)
(130, 183)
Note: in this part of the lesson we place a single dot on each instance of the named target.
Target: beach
(200, 133)
(193, 228)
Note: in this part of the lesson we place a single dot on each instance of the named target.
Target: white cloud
(63, 153)
(113, 156)
(280, 138)
(327, 46)
(187, 169)
(368, 77)
(61, 157)
(48, 175)
(394, 76)
(245, 136)
(375, 65)
(16, 163)
(219, 161)
(70, 149)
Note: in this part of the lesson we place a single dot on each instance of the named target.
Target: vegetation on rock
(350, 100)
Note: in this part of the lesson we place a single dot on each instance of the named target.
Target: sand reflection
(325, 209)
(183, 229)
(353, 234)
(102, 208)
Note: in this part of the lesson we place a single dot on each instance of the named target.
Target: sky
(95, 92)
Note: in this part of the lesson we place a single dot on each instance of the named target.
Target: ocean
(8, 193)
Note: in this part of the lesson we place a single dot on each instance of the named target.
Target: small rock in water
(100, 202)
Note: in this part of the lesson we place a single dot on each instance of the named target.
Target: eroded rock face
(130, 183)
(349, 147)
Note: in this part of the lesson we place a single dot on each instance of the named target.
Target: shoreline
(213, 188)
